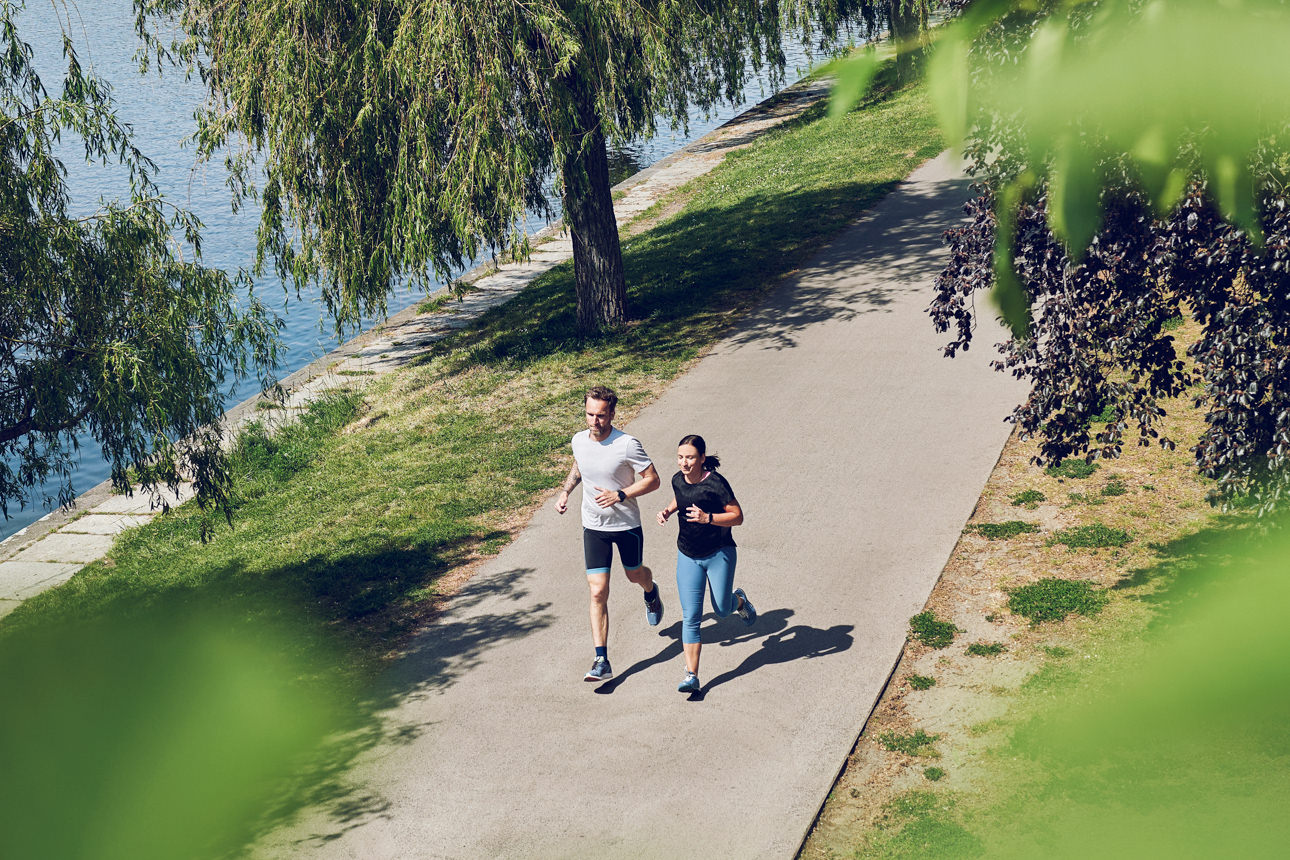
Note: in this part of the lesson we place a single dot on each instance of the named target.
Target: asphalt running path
(857, 452)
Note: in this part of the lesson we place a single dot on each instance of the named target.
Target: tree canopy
(1133, 171)
(400, 139)
(109, 326)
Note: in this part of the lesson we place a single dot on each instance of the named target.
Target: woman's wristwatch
(622, 497)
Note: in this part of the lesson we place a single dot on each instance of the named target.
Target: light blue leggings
(717, 571)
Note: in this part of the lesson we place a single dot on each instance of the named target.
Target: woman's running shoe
(747, 612)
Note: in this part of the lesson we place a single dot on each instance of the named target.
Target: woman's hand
(696, 514)
(663, 515)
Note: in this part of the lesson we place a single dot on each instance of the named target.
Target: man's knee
(599, 590)
(640, 575)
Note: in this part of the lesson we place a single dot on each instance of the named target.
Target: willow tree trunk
(589, 211)
(904, 35)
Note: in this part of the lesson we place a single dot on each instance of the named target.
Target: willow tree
(110, 329)
(400, 139)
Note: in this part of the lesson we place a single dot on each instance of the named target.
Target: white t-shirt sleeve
(636, 456)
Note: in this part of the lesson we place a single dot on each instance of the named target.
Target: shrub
(1052, 599)
(932, 632)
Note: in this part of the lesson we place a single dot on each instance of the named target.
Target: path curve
(858, 453)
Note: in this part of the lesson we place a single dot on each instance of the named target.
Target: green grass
(1091, 536)
(1057, 651)
(1103, 417)
(921, 824)
(1085, 499)
(914, 743)
(1002, 531)
(1072, 467)
(921, 682)
(986, 649)
(934, 774)
(925, 627)
(1028, 499)
(1052, 599)
(1115, 487)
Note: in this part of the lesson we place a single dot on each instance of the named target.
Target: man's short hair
(603, 394)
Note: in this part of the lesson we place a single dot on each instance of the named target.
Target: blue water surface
(160, 109)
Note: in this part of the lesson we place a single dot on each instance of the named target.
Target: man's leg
(597, 550)
(642, 576)
(631, 549)
(598, 583)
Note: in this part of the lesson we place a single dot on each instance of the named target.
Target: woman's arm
(666, 512)
(732, 516)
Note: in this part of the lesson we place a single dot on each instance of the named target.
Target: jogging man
(615, 469)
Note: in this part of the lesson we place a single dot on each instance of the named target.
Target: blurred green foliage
(162, 735)
(1185, 752)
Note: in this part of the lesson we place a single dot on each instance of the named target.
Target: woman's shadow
(781, 644)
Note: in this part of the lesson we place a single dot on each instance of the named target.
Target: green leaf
(1074, 195)
(948, 76)
(1234, 187)
(855, 74)
(1007, 295)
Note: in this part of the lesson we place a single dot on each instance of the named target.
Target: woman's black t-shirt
(712, 494)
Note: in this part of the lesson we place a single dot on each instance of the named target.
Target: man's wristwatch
(622, 497)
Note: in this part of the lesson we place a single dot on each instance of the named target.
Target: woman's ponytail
(711, 462)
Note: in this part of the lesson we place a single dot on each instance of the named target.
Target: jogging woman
(705, 550)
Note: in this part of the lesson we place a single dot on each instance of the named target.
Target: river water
(160, 109)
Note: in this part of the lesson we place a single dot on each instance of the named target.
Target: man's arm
(574, 478)
(647, 483)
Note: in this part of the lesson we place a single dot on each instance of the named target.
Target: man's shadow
(782, 644)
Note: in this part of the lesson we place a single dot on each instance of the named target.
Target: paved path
(857, 452)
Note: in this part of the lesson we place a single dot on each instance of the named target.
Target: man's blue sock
(602, 651)
(652, 594)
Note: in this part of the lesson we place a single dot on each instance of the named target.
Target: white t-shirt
(611, 465)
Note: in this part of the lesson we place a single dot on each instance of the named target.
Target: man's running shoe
(690, 684)
(654, 609)
(747, 612)
(599, 670)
